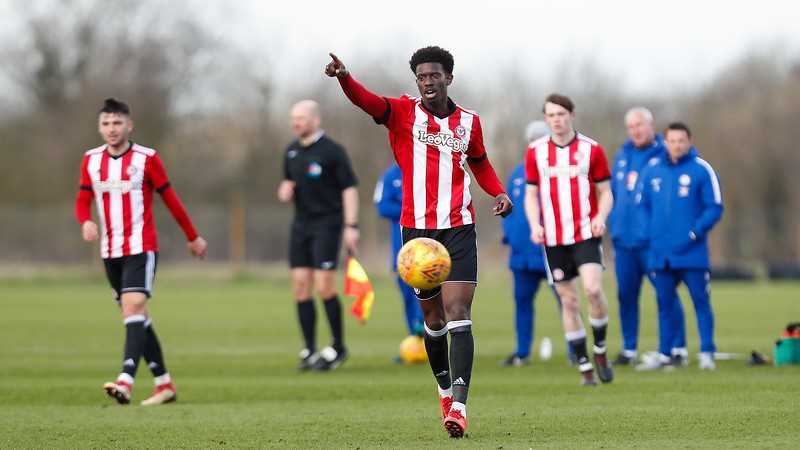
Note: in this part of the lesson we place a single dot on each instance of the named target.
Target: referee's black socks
(462, 349)
(307, 316)
(333, 309)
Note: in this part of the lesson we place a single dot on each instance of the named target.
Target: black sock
(333, 309)
(436, 347)
(308, 322)
(462, 349)
(599, 334)
(135, 338)
(152, 352)
(579, 350)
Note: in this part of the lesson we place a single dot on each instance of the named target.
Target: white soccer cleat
(706, 361)
(653, 361)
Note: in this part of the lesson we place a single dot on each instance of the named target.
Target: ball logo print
(423, 263)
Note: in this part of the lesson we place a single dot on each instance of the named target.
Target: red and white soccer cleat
(119, 391)
(455, 423)
(163, 394)
(445, 402)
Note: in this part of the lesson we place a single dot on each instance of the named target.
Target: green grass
(231, 348)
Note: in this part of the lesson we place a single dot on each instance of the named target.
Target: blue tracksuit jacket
(683, 201)
(389, 199)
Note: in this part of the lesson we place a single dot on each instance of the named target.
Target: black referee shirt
(321, 172)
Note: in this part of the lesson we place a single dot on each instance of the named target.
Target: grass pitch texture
(231, 348)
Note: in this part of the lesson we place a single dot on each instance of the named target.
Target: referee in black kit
(318, 177)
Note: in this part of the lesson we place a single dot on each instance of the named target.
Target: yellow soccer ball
(423, 263)
(412, 350)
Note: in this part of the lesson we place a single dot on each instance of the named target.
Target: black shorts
(461, 243)
(315, 245)
(563, 260)
(134, 273)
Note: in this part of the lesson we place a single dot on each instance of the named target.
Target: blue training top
(683, 201)
(388, 199)
(525, 255)
(627, 220)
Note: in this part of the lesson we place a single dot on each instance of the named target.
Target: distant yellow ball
(412, 350)
(423, 263)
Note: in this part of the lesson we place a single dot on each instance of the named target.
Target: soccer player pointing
(433, 138)
(569, 191)
(121, 176)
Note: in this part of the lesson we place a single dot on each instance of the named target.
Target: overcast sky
(649, 46)
(649, 43)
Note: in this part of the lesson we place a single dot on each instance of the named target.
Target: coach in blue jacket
(388, 199)
(629, 235)
(682, 197)
(526, 260)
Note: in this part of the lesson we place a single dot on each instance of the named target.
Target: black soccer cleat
(329, 359)
(604, 371)
(624, 360)
(514, 360)
(307, 360)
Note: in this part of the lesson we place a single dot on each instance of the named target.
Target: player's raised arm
(372, 104)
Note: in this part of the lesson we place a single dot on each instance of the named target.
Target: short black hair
(432, 54)
(561, 100)
(114, 106)
(678, 126)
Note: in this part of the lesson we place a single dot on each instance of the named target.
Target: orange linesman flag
(356, 284)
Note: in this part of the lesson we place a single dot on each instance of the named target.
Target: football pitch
(231, 348)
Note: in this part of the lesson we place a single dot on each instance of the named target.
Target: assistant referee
(320, 180)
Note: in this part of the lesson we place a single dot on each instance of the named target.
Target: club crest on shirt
(397, 183)
(632, 177)
(656, 184)
(291, 154)
(131, 171)
(685, 180)
(460, 131)
(314, 170)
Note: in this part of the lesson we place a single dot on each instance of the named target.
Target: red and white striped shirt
(566, 177)
(122, 187)
(432, 153)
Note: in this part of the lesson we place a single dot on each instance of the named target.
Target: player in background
(121, 176)
(320, 182)
(567, 202)
(389, 201)
(432, 139)
(628, 227)
(681, 195)
(526, 259)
